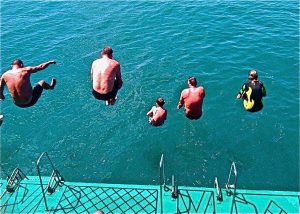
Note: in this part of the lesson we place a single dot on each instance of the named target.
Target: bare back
(193, 100)
(104, 72)
(18, 84)
(160, 116)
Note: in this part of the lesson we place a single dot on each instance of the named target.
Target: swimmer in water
(157, 115)
(252, 93)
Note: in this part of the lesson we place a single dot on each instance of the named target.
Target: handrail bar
(218, 190)
(10, 187)
(39, 174)
(162, 180)
(233, 186)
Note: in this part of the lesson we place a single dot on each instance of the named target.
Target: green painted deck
(73, 197)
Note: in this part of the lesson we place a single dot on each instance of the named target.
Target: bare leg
(46, 85)
(53, 83)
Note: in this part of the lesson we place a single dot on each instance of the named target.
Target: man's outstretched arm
(34, 69)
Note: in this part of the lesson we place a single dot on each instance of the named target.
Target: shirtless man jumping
(192, 98)
(106, 77)
(18, 83)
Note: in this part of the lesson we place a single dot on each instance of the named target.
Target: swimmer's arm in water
(264, 92)
(181, 100)
(150, 113)
(34, 69)
(92, 72)
(241, 92)
(118, 76)
(2, 84)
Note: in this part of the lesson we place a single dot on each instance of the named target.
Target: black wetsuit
(258, 92)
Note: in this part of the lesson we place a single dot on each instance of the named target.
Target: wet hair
(107, 51)
(253, 75)
(17, 62)
(192, 81)
(160, 102)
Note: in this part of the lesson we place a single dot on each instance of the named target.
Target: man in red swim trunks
(192, 98)
(18, 83)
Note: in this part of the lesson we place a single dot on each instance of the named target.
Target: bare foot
(113, 100)
(53, 83)
(1, 119)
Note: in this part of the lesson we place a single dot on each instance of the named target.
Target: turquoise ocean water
(159, 45)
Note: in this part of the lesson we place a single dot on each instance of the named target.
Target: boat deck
(73, 197)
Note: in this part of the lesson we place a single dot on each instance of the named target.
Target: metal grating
(88, 199)
(26, 199)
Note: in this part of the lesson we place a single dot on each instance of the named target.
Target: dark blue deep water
(159, 45)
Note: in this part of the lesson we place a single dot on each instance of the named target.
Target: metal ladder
(231, 184)
(14, 181)
(55, 180)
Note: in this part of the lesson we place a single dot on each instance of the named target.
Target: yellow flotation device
(248, 103)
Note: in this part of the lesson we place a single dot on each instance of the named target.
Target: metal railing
(162, 180)
(230, 186)
(54, 181)
(218, 190)
(14, 181)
